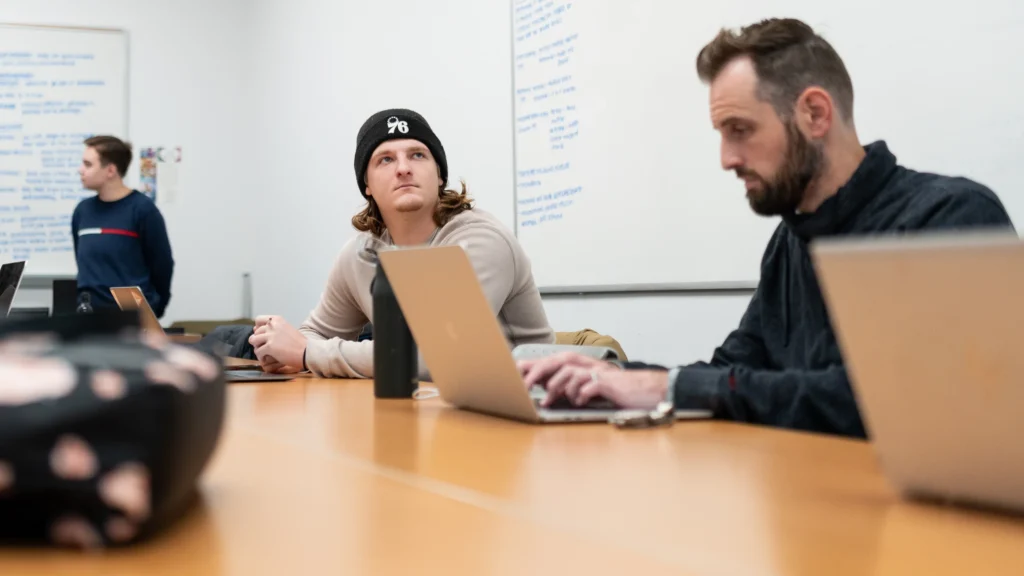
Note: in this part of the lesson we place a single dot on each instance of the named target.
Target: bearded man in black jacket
(782, 100)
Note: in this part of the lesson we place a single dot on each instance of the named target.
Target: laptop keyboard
(563, 403)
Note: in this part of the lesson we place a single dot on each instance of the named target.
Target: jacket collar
(867, 181)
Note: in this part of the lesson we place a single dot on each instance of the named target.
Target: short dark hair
(112, 150)
(789, 57)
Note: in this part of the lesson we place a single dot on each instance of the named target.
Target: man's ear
(815, 110)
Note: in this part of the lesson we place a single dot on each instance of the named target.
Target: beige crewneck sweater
(346, 304)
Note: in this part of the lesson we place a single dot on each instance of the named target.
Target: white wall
(266, 98)
(188, 87)
(321, 67)
(667, 329)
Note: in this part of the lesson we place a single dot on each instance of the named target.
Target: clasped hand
(279, 346)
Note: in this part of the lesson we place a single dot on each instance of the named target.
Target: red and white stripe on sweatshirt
(116, 231)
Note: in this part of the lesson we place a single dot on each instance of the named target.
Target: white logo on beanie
(394, 122)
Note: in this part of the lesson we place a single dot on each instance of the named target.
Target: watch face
(660, 416)
(664, 408)
(631, 418)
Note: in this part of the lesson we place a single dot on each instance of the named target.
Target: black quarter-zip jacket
(782, 366)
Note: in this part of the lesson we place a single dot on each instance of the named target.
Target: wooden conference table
(318, 477)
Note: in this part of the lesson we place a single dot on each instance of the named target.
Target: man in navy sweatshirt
(119, 235)
(783, 102)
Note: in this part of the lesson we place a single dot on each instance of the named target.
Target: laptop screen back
(131, 298)
(10, 279)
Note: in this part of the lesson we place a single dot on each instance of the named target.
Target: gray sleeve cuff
(699, 388)
(673, 378)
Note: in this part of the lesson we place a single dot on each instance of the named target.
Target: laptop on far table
(10, 281)
(132, 298)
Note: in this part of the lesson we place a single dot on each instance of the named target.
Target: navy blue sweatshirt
(782, 366)
(122, 243)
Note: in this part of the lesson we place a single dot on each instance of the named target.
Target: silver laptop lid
(931, 329)
(462, 343)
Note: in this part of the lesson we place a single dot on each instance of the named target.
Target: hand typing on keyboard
(579, 379)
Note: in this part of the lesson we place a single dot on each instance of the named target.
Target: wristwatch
(662, 415)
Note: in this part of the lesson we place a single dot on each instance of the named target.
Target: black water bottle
(84, 303)
(395, 364)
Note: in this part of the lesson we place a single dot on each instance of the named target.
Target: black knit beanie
(394, 124)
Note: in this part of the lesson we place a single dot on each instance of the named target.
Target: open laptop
(931, 328)
(10, 281)
(462, 343)
(132, 298)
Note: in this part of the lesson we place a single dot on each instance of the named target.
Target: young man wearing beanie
(401, 170)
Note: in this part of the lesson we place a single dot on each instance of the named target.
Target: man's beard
(783, 194)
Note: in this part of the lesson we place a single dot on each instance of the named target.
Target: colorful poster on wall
(158, 173)
(147, 172)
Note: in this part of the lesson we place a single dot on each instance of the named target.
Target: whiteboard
(618, 179)
(58, 86)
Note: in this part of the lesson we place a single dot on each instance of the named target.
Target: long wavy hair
(449, 204)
